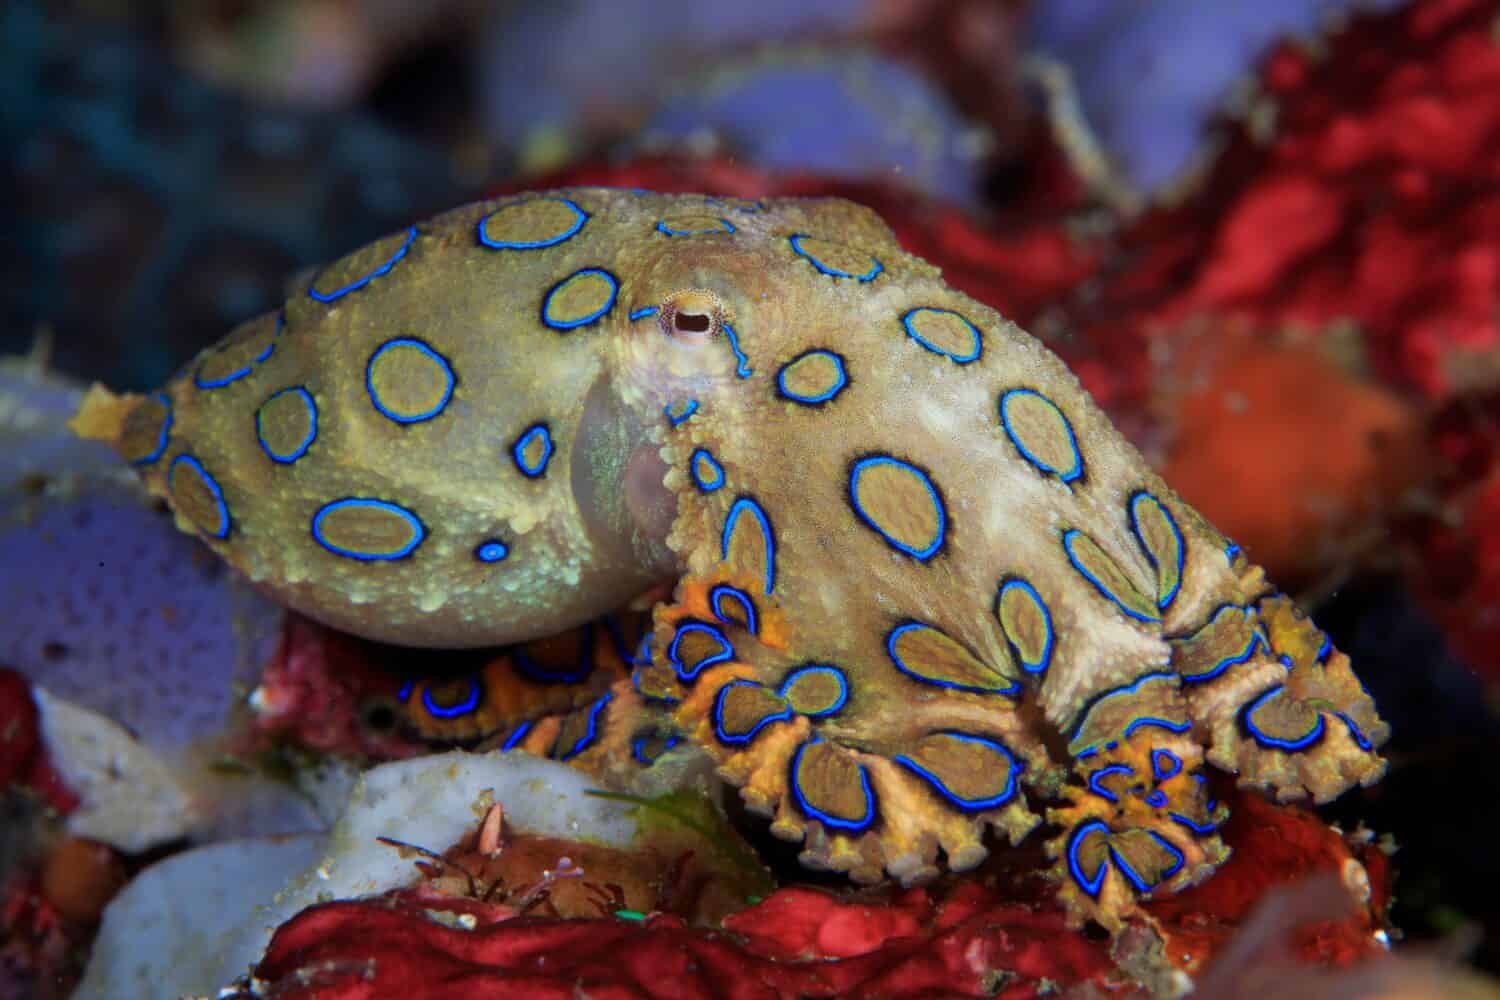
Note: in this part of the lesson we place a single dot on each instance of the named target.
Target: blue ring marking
(1162, 771)
(573, 324)
(962, 359)
(1098, 584)
(476, 692)
(161, 435)
(1041, 665)
(890, 649)
(1324, 649)
(1153, 721)
(638, 748)
(837, 706)
(937, 502)
(1291, 746)
(1230, 551)
(994, 801)
(688, 409)
(715, 601)
(1360, 739)
(1071, 475)
(567, 234)
(516, 736)
(442, 362)
(587, 739)
(822, 397)
(533, 670)
(784, 715)
(662, 227)
(1135, 529)
(1229, 661)
(742, 369)
(358, 283)
(518, 450)
(1091, 886)
(405, 691)
(1136, 880)
(417, 535)
(740, 506)
(1104, 772)
(236, 375)
(836, 822)
(643, 312)
(1131, 688)
(491, 551)
(834, 272)
(312, 426)
(1157, 799)
(1201, 829)
(690, 672)
(706, 485)
(213, 490)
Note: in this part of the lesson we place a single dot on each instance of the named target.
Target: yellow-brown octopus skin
(922, 586)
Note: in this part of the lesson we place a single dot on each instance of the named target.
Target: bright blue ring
(1127, 689)
(994, 801)
(312, 427)
(1067, 477)
(962, 359)
(358, 283)
(1136, 880)
(1324, 649)
(517, 735)
(1291, 746)
(1157, 799)
(1152, 721)
(834, 272)
(715, 601)
(518, 450)
(717, 479)
(890, 649)
(742, 739)
(1163, 772)
(742, 369)
(1104, 772)
(1230, 551)
(1041, 665)
(837, 706)
(662, 227)
(1360, 739)
(1104, 591)
(690, 673)
(405, 691)
(419, 533)
(740, 506)
(442, 362)
(822, 397)
(837, 823)
(1135, 528)
(161, 435)
(492, 551)
(213, 489)
(587, 739)
(1088, 885)
(688, 409)
(553, 241)
(937, 502)
(476, 692)
(573, 324)
(1201, 829)
(643, 312)
(1229, 661)
(638, 749)
(233, 376)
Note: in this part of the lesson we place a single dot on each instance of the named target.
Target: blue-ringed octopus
(906, 581)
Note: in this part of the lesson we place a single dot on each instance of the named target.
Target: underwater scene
(679, 498)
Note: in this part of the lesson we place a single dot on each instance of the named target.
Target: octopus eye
(378, 716)
(693, 315)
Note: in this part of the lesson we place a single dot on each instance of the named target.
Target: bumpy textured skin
(923, 587)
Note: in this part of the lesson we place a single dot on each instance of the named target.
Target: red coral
(23, 758)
